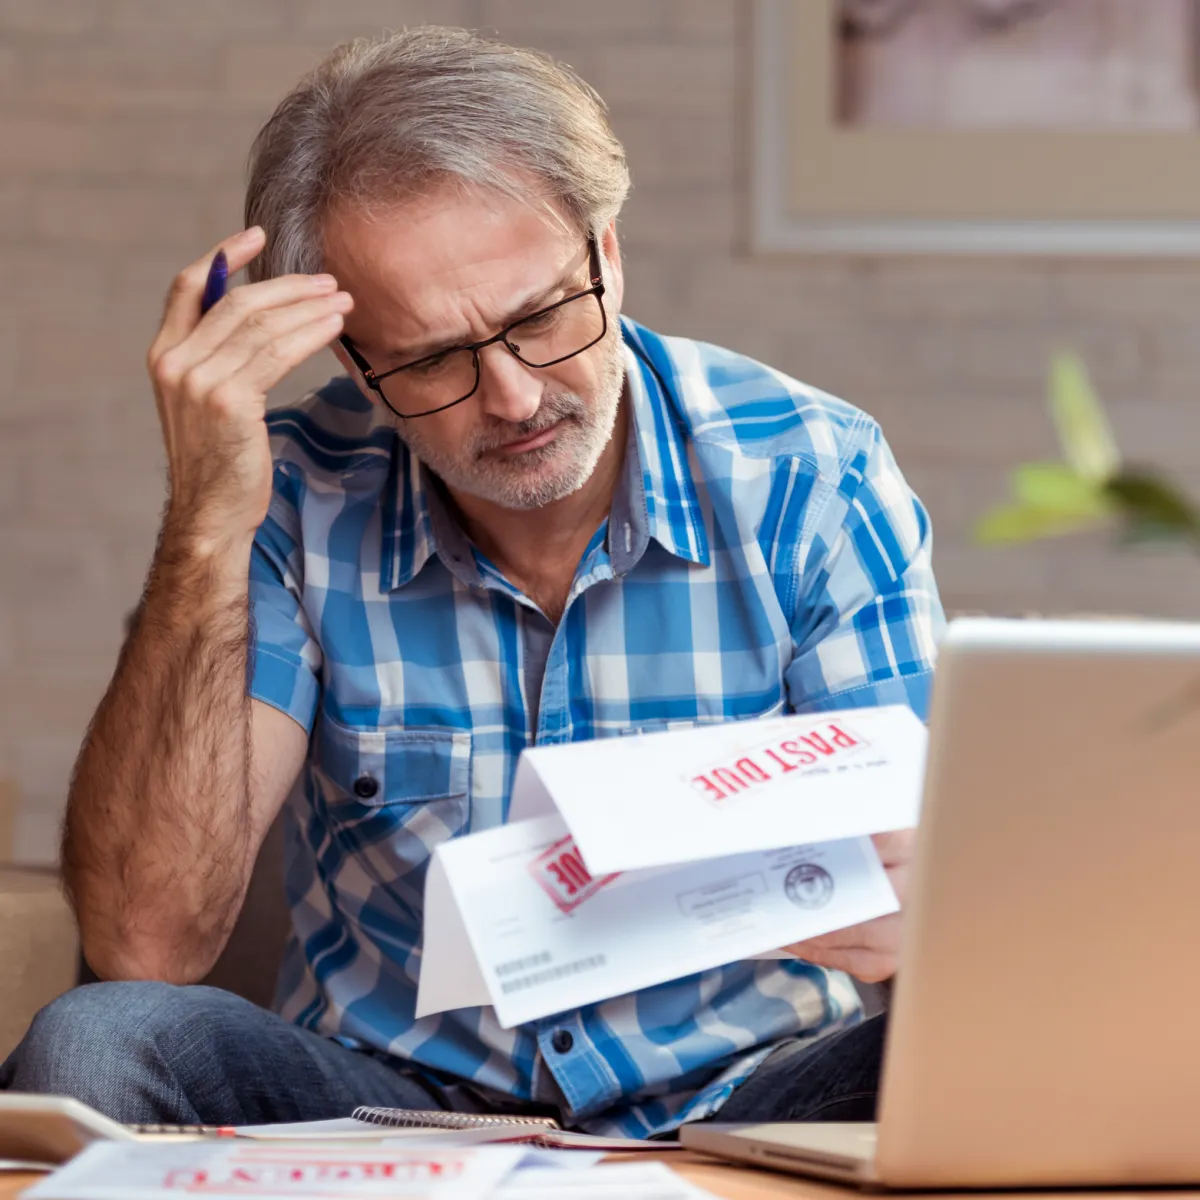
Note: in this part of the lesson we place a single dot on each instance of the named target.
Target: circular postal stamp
(808, 886)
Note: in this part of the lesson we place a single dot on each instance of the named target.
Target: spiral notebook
(536, 1131)
(419, 1118)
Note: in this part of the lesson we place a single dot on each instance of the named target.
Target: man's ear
(339, 352)
(614, 274)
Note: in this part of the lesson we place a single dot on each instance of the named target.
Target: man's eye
(431, 366)
(540, 322)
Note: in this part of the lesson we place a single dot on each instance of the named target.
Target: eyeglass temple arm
(358, 360)
(597, 275)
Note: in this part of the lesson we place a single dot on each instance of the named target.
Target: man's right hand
(182, 773)
(211, 376)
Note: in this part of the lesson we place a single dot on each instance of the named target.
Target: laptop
(1044, 1028)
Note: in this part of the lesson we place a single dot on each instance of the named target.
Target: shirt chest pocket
(394, 786)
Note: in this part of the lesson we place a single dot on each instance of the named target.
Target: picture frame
(824, 187)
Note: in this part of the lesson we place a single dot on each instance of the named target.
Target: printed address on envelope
(723, 789)
(548, 935)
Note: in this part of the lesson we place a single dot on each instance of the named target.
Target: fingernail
(324, 281)
(252, 234)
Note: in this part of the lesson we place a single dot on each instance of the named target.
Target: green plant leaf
(1087, 441)
(1050, 499)
(1026, 523)
(1056, 487)
(1154, 509)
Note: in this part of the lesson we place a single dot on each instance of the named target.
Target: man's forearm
(159, 843)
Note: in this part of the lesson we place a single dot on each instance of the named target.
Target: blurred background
(124, 126)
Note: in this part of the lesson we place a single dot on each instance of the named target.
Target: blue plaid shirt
(762, 554)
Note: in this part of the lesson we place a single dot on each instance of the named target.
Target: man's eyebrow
(540, 299)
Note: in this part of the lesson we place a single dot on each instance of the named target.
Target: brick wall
(123, 131)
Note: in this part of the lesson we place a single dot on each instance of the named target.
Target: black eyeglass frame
(375, 381)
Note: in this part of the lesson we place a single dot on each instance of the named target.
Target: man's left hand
(869, 951)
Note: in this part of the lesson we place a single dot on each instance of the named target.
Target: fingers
(242, 331)
(867, 965)
(182, 309)
(895, 847)
(262, 352)
(871, 964)
(275, 360)
(880, 936)
(250, 306)
(250, 318)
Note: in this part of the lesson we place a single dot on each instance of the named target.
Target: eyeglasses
(549, 336)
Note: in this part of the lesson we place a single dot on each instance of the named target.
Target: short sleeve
(286, 660)
(866, 614)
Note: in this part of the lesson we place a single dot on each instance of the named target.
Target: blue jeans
(152, 1052)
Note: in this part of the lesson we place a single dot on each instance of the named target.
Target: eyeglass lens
(544, 338)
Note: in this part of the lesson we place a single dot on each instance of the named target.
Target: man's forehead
(425, 267)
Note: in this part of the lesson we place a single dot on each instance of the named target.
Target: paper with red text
(513, 917)
(235, 1168)
(707, 792)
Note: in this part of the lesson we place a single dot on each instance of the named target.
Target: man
(520, 518)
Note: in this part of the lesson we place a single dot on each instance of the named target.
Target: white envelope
(513, 917)
(709, 792)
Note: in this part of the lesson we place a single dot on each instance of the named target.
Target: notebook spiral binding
(410, 1118)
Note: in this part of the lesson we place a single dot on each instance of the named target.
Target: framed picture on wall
(1062, 127)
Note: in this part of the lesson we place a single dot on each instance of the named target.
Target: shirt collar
(655, 498)
(408, 538)
(673, 515)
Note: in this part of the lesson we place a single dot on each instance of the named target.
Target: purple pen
(214, 285)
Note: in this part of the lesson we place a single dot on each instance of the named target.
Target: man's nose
(508, 389)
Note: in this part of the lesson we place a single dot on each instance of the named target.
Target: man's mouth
(533, 441)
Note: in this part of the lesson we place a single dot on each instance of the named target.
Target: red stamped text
(806, 752)
(259, 1174)
(561, 873)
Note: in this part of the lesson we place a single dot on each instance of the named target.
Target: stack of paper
(405, 1171)
(628, 862)
(143, 1171)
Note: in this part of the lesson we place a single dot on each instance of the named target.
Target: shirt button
(365, 786)
(562, 1041)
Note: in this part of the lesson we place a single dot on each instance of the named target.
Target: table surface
(747, 1183)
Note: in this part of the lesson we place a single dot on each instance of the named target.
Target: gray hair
(385, 119)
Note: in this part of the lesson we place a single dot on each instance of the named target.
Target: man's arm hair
(179, 777)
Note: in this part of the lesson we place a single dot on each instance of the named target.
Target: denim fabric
(834, 1078)
(152, 1052)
